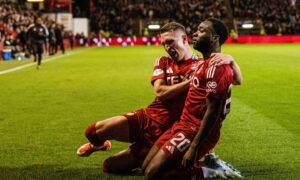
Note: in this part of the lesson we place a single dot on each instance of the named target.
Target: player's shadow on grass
(55, 172)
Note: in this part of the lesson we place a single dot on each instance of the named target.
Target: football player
(170, 79)
(206, 106)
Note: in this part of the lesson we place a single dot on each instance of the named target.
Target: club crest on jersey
(157, 72)
(211, 84)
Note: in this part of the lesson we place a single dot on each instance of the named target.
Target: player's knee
(111, 165)
(143, 168)
(148, 174)
(106, 168)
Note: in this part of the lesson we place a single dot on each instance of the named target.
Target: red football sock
(91, 135)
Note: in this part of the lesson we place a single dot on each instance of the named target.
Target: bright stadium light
(247, 26)
(35, 0)
(153, 26)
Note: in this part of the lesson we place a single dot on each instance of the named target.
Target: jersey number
(180, 142)
(227, 106)
(227, 103)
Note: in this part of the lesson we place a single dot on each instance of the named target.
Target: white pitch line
(33, 63)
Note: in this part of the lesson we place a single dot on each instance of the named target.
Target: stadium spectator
(36, 36)
(22, 38)
(10, 43)
(71, 39)
(58, 31)
(52, 39)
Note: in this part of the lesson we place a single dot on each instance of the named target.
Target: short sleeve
(159, 69)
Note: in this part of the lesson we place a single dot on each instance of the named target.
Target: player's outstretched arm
(214, 109)
(164, 92)
(219, 59)
(237, 74)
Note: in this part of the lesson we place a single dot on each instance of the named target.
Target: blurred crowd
(111, 17)
(278, 16)
(15, 18)
(124, 18)
(115, 16)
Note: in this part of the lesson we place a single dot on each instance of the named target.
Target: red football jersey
(173, 72)
(208, 81)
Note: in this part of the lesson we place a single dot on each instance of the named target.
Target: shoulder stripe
(208, 72)
(157, 61)
(160, 61)
(211, 72)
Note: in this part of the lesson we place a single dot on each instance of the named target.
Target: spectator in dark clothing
(10, 43)
(36, 35)
(52, 39)
(59, 38)
(71, 39)
(22, 38)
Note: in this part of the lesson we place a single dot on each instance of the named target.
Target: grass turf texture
(43, 113)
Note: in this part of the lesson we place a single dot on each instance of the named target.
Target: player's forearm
(237, 74)
(209, 120)
(165, 92)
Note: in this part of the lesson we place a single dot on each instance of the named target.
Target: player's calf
(110, 165)
(106, 167)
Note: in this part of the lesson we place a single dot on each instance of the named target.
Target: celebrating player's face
(174, 43)
(202, 38)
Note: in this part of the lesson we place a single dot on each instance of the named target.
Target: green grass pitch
(43, 113)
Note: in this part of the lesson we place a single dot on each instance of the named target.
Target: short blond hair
(172, 26)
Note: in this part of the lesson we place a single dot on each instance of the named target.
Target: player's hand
(187, 77)
(189, 158)
(219, 59)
